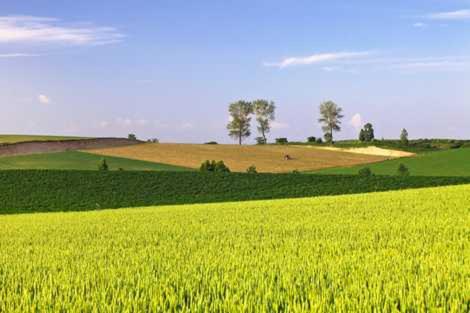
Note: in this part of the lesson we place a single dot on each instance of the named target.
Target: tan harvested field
(239, 158)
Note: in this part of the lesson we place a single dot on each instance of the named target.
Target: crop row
(404, 251)
(43, 191)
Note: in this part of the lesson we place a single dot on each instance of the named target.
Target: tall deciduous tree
(331, 117)
(367, 133)
(240, 118)
(265, 114)
(404, 137)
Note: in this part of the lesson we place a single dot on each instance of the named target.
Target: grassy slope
(267, 158)
(22, 138)
(442, 163)
(394, 251)
(39, 191)
(75, 160)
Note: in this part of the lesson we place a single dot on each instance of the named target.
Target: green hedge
(45, 191)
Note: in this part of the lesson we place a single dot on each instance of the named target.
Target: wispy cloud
(18, 55)
(31, 29)
(419, 25)
(318, 58)
(43, 99)
(450, 15)
(356, 121)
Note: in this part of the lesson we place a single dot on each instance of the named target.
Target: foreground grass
(386, 252)
(75, 160)
(266, 158)
(25, 191)
(23, 138)
(454, 162)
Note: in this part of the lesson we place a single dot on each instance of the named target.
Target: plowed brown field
(238, 158)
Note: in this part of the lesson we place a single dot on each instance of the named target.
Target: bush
(213, 166)
(403, 170)
(252, 170)
(365, 172)
(132, 137)
(103, 166)
(311, 139)
(212, 143)
(319, 140)
(282, 141)
(260, 141)
(153, 140)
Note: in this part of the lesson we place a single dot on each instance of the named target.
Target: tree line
(241, 113)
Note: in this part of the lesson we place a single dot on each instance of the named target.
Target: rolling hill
(266, 158)
(455, 162)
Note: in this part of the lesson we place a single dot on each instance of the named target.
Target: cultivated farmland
(25, 138)
(386, 252)
(75, 160)
(268, 158)
(455, 162)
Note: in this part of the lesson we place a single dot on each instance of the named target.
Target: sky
(169, 69)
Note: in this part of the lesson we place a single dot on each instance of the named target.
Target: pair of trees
(241, 113)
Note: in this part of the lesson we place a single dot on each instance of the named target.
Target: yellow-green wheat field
(406, 251)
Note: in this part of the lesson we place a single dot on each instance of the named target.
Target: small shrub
(103, 166)
(252, 170)
(212, 143)
(213, 166)
(403, 170)
(319, 140)
(282, 141)
(220, 167)
(365, 172)
(260, 141)
(312, 139)
(295, 172)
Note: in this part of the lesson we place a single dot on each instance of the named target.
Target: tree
(403, 170)
(264, 111)
(103, 166)
(132, 137)
(331, 117)
(404, 137)
(367, 133)
(240, 118)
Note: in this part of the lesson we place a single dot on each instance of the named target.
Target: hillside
(455, 162)
(29, 191)
(75, 160)
(26, 138)
(387, 252)
(266, 158)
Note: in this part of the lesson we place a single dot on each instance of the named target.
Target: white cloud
(356, 121)
(44, 99)
(18, 55)
(419, 25)
(451, 15)
(279, 125)
(187, 126)
(318, 58)
(30, 29)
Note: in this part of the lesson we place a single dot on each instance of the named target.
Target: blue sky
(169, 69)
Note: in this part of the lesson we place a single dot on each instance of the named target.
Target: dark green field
(455, 162)
(75, 160)
(23, 138)
(29, 191)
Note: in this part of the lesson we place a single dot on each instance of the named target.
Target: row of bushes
(43, 191)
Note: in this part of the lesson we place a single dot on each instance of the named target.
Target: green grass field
(22, 138)
(396, 251)
(454, 162)
(75, 160)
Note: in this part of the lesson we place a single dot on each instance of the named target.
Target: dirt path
(372, 150)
